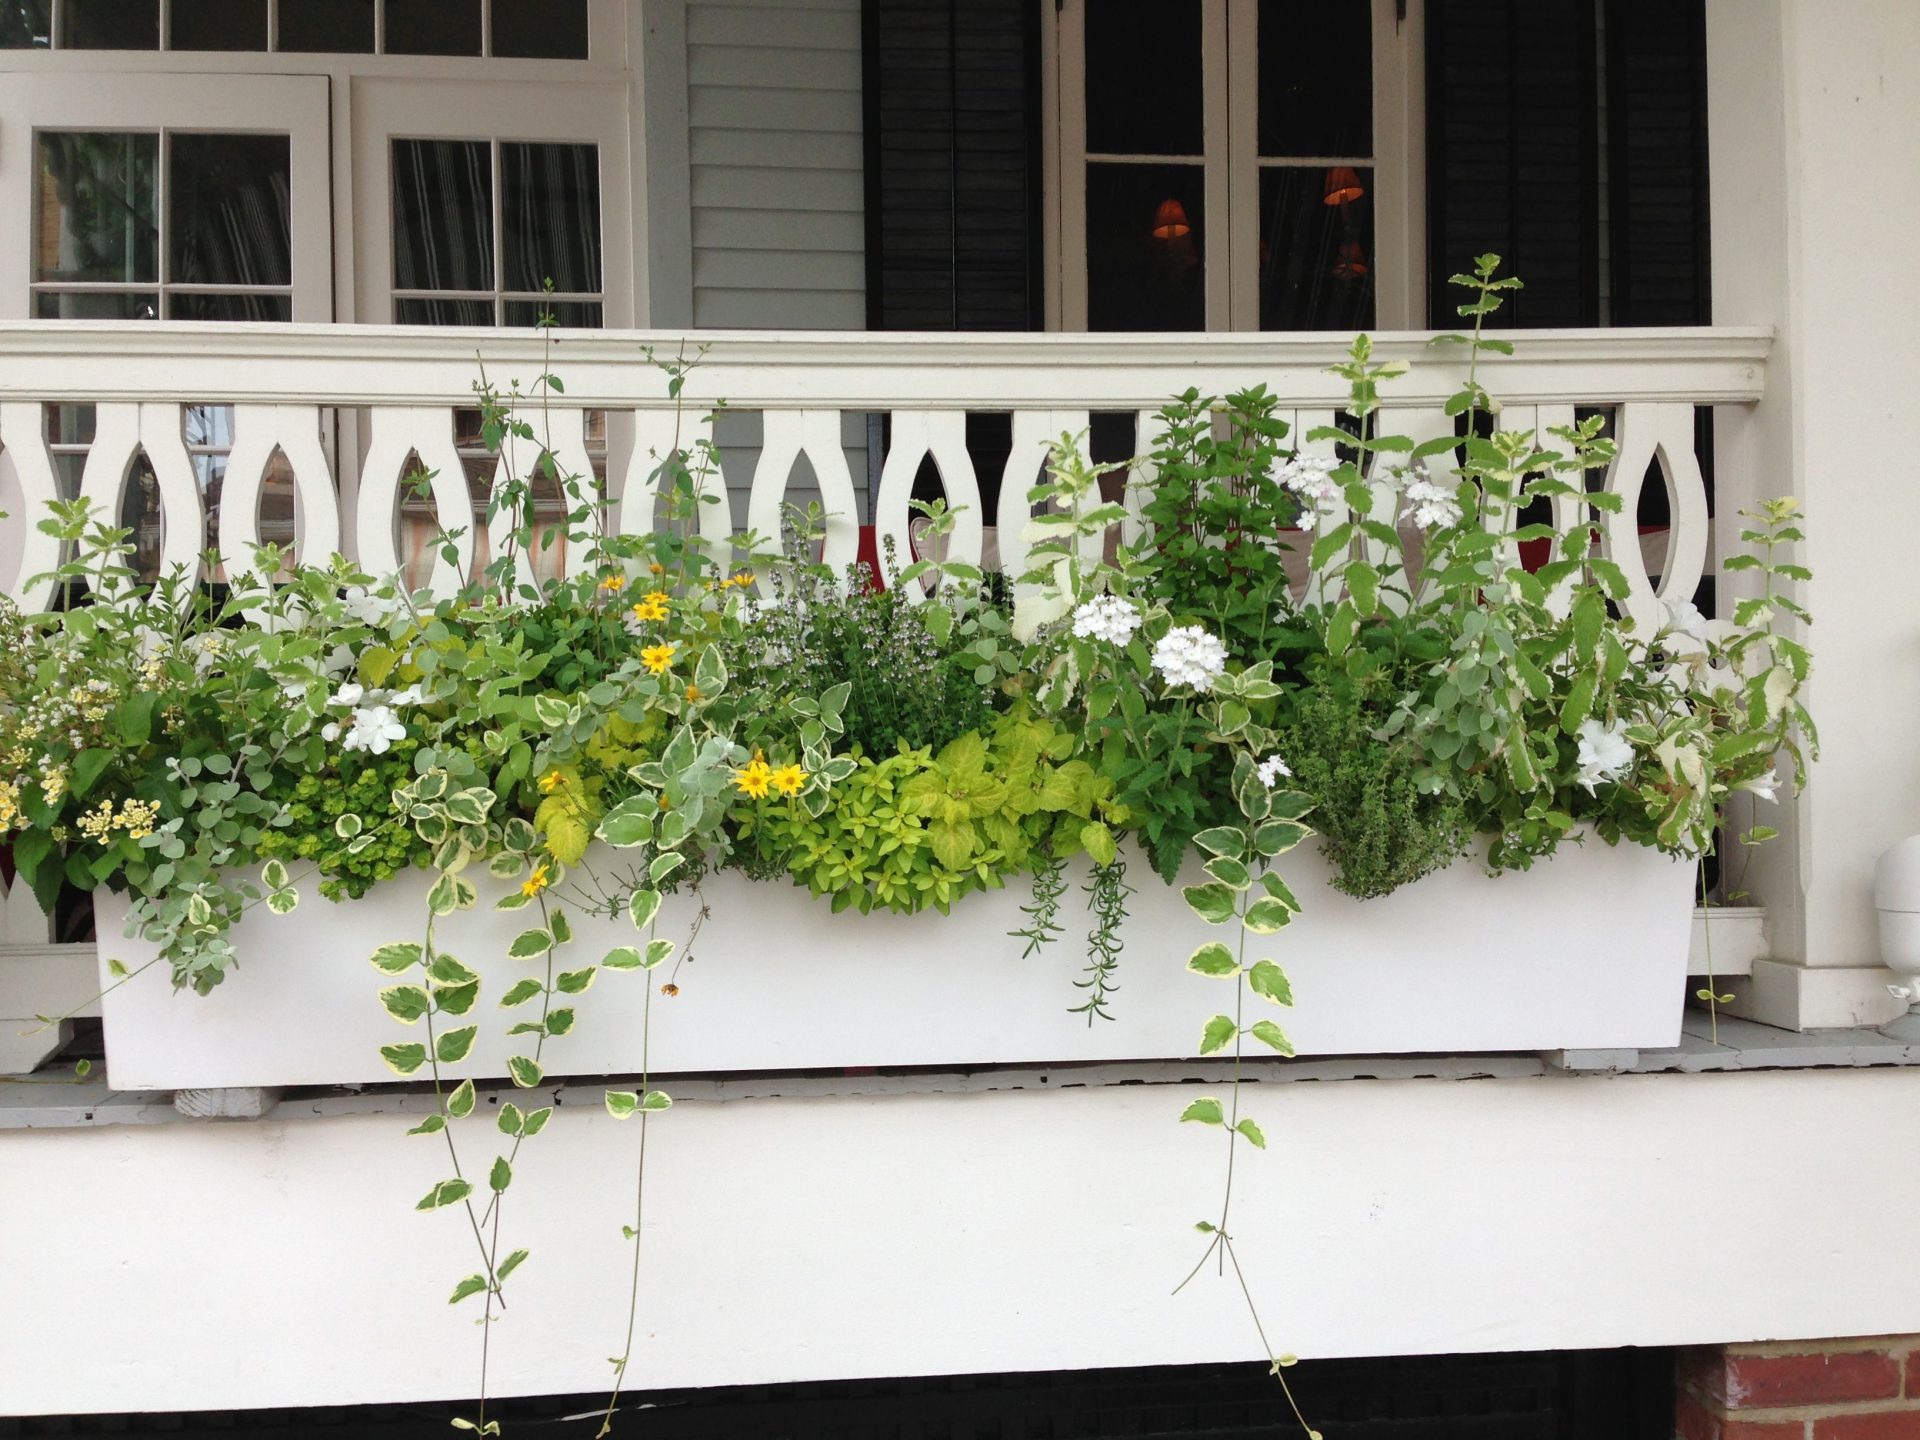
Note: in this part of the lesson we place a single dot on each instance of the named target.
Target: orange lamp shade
(1170, 221)
(1343, 186)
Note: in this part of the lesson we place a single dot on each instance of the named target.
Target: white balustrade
(287, 384)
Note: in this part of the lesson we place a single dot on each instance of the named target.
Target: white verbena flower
(1604, 753)
(1431, 505)
(1311, 478)
(1106, 617)
(1188, 655)
(1271, 769)
(375, 728)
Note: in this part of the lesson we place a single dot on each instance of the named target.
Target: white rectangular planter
(1587, 951)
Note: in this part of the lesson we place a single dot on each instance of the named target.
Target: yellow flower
(654, 607)
(657, 597)
(614, 584)
(788, 779)
(551, 781)
(693, 692)
(753, 780)
(535, 882)
(658, 658)
(743, 579)
(656, 568)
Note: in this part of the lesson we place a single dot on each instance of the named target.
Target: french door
(1233, 165)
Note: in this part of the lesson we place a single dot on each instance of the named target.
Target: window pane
(96, 215)
(1144, 85)
(1146, 247)
(576, 314)
(551, 215)
(412, 310)
(26, 24)
(442, 215)
(1316, 78)
(218, 25)
(228, 210)
(96, 305)
(540, 29)
(1316, 257)
(228, 307)
(433, 27)
(339, 27)
(111, 25)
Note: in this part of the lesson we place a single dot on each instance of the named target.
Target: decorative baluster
(562, 429)
(943, 435)
(1646, 432)
(1034, 433)
(657, 434)
(1148, 428)
(121, 432)
(23, 442)
(258, 431)
(1311, 588)
(786, 435)
(400, 431)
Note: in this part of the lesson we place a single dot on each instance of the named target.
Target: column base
(1810, 997)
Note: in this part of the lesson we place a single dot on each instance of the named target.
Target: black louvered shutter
(953, 203)
(1553, 124)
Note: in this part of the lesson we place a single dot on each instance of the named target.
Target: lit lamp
(1343, 186)
(1170, 221)
(1350, 261)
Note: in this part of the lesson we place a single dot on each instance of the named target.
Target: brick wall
(1802, 1390)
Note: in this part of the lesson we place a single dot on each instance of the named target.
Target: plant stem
(639, 1202)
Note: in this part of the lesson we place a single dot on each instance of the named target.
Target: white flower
(330, 732)
(348, 694)
(409, 696)
(1684, 617)
(1106, 617)
(368, 608)
(375, 728)
(1604, 752)
(1188, 655)
(1762, 786)
(1311, 478)
(1431, 505)
(1271, 769)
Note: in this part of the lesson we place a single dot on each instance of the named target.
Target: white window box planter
(1587, 951)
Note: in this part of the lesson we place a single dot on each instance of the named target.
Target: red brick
(1731, 1429)
(1888, 1425)
(1758, 1382)
(1693, 1421)
(1913, 1375)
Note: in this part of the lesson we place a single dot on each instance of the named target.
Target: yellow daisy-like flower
(789, 779)
(551, 781)
(743, 579)
(650, 609)
(658, 658)
(693, 692)
(535, 882)
(656, 568)
(614, 584)
(754, 780)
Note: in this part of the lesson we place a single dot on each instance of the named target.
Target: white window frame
(1232, 163)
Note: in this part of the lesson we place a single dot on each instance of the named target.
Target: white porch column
(1814, 118)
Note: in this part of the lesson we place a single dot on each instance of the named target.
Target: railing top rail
(98, 361)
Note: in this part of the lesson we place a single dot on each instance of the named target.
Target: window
(1220, 164)
(519, 29)
(480, 228)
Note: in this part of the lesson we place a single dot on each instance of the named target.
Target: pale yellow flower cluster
(136, 819)
(9, 805)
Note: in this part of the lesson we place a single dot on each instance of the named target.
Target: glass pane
(1146, 247)
(433, 27)
(217, 25)
(96, 219)
(551, 215)
(1144, 82)
(415, 311)
(228, 210)
(338, 27)
(110, 25)
(140, 512)
(71, 424)
(26, 24)
(1316, 78)
(96, 305)
(578, 314)
(442, 215)
(1316, 249)
(540, 29)
(228, 307)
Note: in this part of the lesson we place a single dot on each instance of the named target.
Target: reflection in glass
(433, 27)
(442, 215)
(1316, 78)
(229, 210)
(140, 513)
(339, 27)
(1316, 258)
(551, 213)
(419, 310)
(1144, 82)
(96, 305)
(573, 314)
(96, 204)
(540, 29)
(1146, 250)
(217, 25)
(110, 25)
(192, 306)
(26, 24)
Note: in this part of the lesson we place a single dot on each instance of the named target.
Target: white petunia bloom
(375, 728)
(1188, 655)
(1684, 617)
(1604, 753)
(1763, 787)
(1106, 617)
(1271, 769)
(1431, 505)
